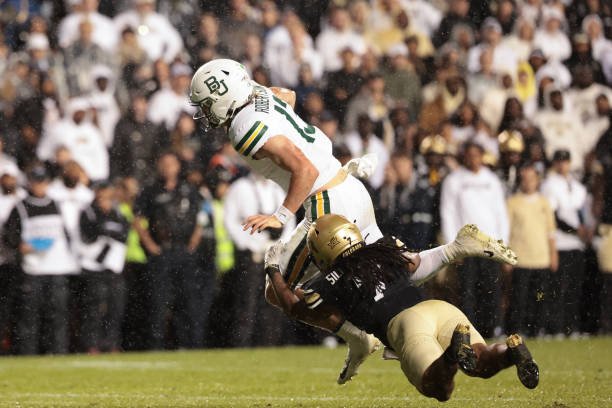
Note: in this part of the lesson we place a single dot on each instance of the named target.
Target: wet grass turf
(573, 374)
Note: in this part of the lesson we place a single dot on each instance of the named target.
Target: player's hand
(273, 254)
(260, 222)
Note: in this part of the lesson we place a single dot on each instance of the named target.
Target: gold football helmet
(330, 237)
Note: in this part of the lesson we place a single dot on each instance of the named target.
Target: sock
(432, 260)
(349, 332)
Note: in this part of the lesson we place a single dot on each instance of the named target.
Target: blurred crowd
(121, 218)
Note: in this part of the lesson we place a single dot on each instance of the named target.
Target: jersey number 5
(306, 131)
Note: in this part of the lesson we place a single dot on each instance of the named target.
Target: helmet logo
(215, 86)
(333, 242)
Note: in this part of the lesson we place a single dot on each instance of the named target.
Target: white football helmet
(218, 89)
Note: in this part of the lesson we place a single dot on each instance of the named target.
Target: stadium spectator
(402, 82)
(407, 204)
(567, 198)
(374, 101)
(511, 148)
(134, 272)
(604, 200)
(166, 104)
(205, 44)
(287, 47)
(457, 14)
(137, 143)
(218, 321)
(449, 95)
(244, 19)
(473, 194)
(363, 141)
(79, 59)
(37, 230)
(102, 100)
(504, 58)
(343, 84)
(103, 231)
(104, 33)
(532, 237)
(583, 57)
(592, 25)
(551, 39)
(170, 208)
(584, 96)
(156, 36)
(77, 131)
(10, 272)
(70, 192)
(560, 126)
(249, 308)
(337, 35)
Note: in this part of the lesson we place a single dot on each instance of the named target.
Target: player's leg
(427, 365)
(470, 241)
(496, 357)
(489, 359)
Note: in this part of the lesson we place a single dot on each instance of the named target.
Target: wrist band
(283, 214)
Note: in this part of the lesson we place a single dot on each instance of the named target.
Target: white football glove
(273, 254)
(362, 167)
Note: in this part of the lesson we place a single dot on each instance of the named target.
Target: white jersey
(268, 116)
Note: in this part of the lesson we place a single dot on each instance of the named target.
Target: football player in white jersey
(278, 144)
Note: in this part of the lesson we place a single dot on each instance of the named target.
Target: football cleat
(357, 354)
(526, 369)
(460, 350)
(470, 241)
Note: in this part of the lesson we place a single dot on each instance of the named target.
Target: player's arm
(289, 157)
(287, 95)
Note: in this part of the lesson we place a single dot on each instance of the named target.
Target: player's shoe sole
(460, 349)
(526, 369)
(470, 241)
(357, 354)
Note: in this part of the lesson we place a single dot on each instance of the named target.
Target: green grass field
(573, 374)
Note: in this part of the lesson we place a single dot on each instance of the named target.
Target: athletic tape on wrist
(283, 214)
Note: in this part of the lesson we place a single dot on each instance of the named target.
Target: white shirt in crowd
(473, 198)
(562, 130)
(104, 33)
(557, 71)
(85, 142)
(583, 103)
(165, 107)
(156, 36)
(248, 196)
(423, 16)
(504, 58)
(71, 202)
(375, 146)
(567, 198)
(331, 41)
(105, 104)
(554, 45)
(279, 56)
